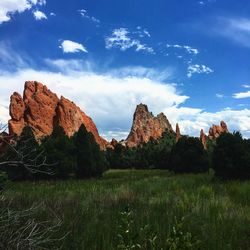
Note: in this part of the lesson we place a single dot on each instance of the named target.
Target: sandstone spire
(146, 126)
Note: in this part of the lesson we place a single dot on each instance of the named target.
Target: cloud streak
(121, 39)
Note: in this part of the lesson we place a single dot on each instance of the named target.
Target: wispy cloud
(72, 47)
(84, 14)
(198, 69)
(8, 8)
(187, 48)
(245, 86)
(121, 38)
(219, 95)
(39, 15)
(235, 29)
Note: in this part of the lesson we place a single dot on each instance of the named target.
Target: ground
(216, 214)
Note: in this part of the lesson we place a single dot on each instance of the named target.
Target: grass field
(216, 214)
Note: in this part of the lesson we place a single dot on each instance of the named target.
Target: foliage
(60, 152)
(231, 158)
(179, 239)
(90, 159)
(188, 156)
(129, 239)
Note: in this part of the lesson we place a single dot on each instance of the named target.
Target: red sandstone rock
(178, 133)
(203, 139)
(42, 110)
(216, 130)
(146, 126)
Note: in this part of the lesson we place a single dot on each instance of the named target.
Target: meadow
(140, 209)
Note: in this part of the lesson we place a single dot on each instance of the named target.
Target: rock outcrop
(42, 110)
(178, 132)
(216, 130)
(203, 139)
(146, 126)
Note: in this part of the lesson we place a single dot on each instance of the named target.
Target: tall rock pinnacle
(146, 126)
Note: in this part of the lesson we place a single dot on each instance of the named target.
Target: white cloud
(84, 14)
(198, 69)
(52, 14)
(241, 95)
(39, 15)
(246, 86)
(9, 7)
(121, 39)
(72, 47)
(187, 48)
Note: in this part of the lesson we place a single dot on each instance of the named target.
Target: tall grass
(216, 213)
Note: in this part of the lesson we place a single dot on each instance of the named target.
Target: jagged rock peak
(146, 126)
(42, 110)
(216, 130)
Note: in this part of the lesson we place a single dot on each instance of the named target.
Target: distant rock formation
(146, 126)
(203, 139)
(178, 133)
(42, 110)
(214, 132)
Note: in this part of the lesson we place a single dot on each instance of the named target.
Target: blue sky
(187, 58)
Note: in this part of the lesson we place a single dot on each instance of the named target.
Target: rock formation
(146, 126)
(216, 130)
(203, 139)
(42, 110)
(178, 132)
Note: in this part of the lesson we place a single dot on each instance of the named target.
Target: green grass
(216, 213)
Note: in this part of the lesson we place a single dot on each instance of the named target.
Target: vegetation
(231, 157)
(188, 156)
(159, 210)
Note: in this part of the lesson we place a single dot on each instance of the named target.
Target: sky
(187, 58)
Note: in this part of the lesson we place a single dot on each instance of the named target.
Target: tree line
(60, 157)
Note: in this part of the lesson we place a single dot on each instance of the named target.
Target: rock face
(146, 126)
(42, 110)
(216, 130)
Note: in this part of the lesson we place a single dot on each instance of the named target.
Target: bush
(231, 157)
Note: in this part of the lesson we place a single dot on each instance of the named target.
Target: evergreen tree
(231, 157)
(188, 156)
(61, 154)
(90, 159)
